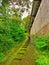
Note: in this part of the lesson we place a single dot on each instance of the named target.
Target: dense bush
(41, 41)
(42, 60)
(11, 34)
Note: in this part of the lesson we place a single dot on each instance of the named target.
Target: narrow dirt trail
(27, 58)
(23, 56)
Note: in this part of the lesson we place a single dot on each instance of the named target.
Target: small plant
(2, 57)
(42, 60)
(40, 42)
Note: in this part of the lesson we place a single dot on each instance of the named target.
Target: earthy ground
(25, 55)
(24, 58)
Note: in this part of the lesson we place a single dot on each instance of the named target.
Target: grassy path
(15, 54)
(24, 55)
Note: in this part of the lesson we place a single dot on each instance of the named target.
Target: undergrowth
(12, 33)
(42, 46)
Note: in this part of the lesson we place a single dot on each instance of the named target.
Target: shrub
(42, 60)
(2, 57)
(11, 34)
(40, 42)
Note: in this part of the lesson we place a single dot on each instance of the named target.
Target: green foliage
(42, 60)
(17, 19)
(5, 2)
(27, 22)
(41, 41)
(11, 34)
(2, 57)
(40, 44)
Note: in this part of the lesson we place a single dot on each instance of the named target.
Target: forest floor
(25, 55)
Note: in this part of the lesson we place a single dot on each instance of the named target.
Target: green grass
(2, 57)
(42, 60)
(42, 48)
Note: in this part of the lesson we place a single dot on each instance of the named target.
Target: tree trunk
(35, 7)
